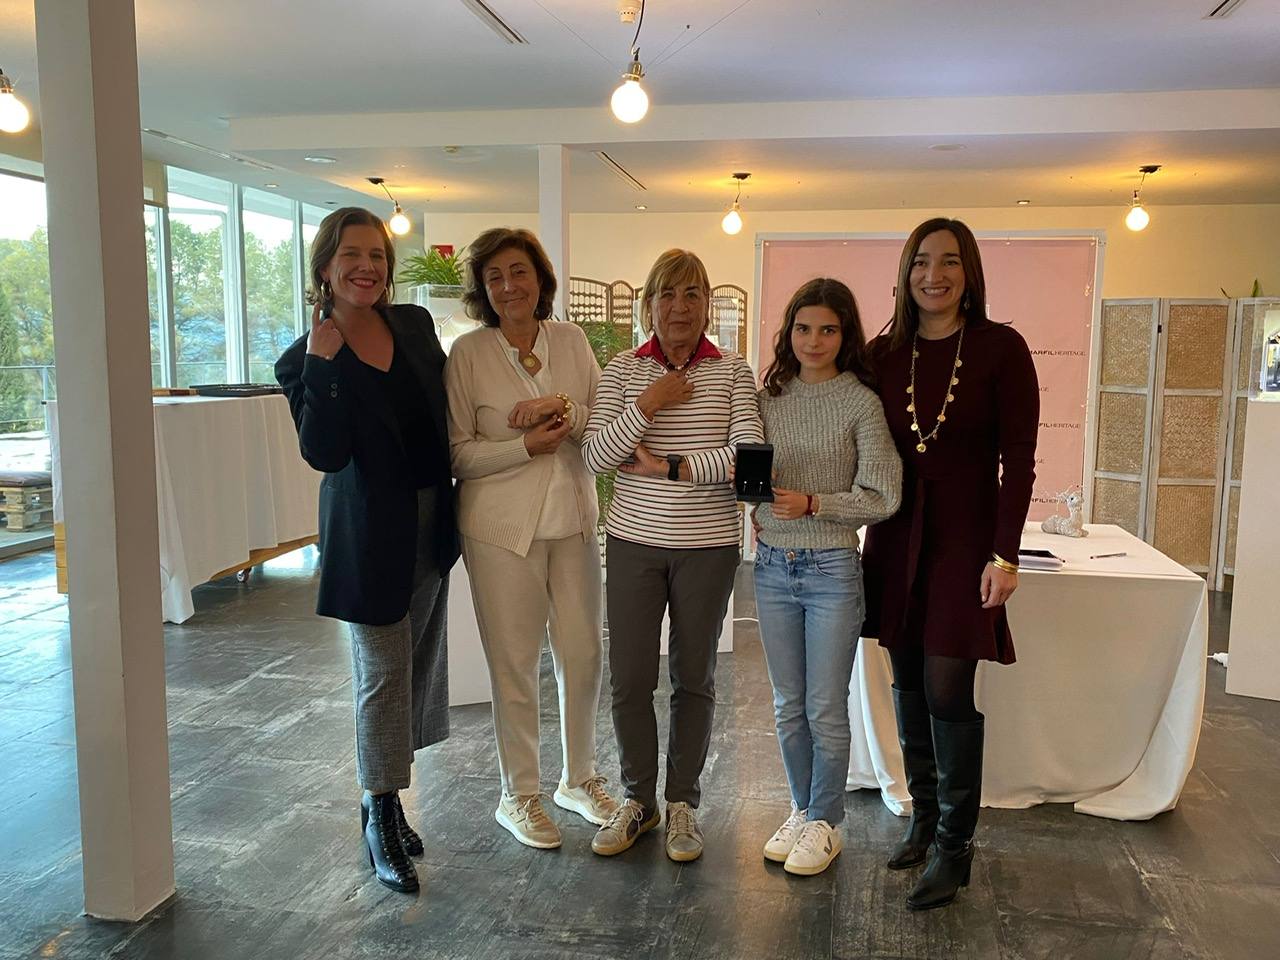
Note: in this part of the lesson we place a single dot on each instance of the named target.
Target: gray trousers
(400, 673)
(643, 582)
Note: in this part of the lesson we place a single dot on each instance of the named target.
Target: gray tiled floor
(269, 862)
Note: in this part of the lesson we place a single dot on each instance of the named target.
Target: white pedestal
(1253, 668)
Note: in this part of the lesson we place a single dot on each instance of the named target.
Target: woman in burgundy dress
(963, 404)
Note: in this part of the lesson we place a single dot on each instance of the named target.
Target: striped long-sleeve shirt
(705, 430)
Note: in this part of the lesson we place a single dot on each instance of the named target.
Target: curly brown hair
(475, 297)
(329, 237)
(852, 358)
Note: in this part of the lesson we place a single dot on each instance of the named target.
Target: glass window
(198, 211)
(155, 273)
(26, 316)
(270, 287)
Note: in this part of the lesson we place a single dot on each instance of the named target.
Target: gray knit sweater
(829, 439)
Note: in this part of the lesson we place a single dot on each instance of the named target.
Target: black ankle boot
(916, 738)
(408, 836)
(381, 817)
(958, 748)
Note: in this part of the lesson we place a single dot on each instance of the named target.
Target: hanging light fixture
(1137, 218)
(400, 224)
(14, 115)
(629, 102)
(732, 222)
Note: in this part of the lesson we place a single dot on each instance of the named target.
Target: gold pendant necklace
(925, 439)
(529, 362)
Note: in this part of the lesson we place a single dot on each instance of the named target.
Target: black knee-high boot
(387, 855)
(958, 749)
(916, 737)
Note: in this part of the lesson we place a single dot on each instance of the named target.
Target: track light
(14, 115)
(400, 224)
(732, 222)
(629, 102)
(1137, 218)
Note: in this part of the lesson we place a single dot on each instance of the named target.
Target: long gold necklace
(925, 439)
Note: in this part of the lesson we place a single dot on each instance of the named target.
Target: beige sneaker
(627, 823)
(779, 845)
(591, 801)
(528, 822)
(684, 839)
(818, 845)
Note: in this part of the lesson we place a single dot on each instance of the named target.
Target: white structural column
(553, 216)
(87, 55)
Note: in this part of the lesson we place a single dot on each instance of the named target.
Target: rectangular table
(1103, 707)
(229, 481)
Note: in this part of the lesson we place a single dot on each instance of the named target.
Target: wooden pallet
(26, 507)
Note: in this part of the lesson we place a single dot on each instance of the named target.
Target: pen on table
(1103, 556)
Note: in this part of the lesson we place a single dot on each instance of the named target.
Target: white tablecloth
(229, 479)
(1102, 708)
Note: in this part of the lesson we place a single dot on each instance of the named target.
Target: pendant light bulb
(732, 222)
(629, 102)
(14, 115)
(400, 223)
(1137, 218)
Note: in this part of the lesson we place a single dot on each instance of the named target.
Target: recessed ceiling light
(316, 158)
(1024, 203)
(946, 147)
(271, 186)
(641, 206)
(331, 203)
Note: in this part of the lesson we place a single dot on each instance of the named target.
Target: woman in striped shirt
(668, 415)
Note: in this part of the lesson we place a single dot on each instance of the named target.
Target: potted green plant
(434, 280)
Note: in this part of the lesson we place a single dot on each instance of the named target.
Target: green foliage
(24, 278)
(433, 267)
(18, 409)
(607, 341)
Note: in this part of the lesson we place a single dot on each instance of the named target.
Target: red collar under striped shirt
(705, 350)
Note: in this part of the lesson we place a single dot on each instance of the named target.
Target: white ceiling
(205, 67)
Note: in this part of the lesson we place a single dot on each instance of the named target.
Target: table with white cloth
(229, 481)
(1102, 708)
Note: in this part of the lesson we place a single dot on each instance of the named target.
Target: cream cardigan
(502, 488)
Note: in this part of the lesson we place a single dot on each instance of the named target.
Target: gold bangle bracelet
(568, 404)
(1002, 564)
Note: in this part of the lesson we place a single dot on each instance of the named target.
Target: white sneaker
(528, 821)
(819, 843)
(780, 843)
(591, 801)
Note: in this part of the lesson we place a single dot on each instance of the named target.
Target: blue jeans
(810, 604)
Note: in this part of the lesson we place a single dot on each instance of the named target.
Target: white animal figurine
(1071, 525)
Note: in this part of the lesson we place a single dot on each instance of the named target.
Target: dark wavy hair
(329, 237)
(475, 298)
(906, 315)
(852, 358)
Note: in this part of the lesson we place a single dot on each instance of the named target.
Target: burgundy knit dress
(965, 497)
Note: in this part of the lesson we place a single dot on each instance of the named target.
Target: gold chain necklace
(924, 439)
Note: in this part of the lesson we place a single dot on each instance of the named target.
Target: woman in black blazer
(366, 390)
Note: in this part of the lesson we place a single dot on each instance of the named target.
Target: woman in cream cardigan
(520, 390)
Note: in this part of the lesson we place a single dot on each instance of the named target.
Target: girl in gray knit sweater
(836, 469)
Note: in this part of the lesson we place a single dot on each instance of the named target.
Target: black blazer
(348, 429)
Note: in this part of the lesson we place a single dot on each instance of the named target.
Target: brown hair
(906, 315)
(674, 268)
(839, 299)
(329, 237)
(475, 298)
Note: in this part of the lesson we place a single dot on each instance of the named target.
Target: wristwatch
(673, 466)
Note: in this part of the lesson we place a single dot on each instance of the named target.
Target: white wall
(1187, 251)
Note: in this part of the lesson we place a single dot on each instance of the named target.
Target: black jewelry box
(753, 473)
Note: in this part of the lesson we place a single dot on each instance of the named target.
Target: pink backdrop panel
(1044, 286)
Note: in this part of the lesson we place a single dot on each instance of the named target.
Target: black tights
(947, 682)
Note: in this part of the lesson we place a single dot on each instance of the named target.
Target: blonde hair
(329, 237)
(673, 269)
